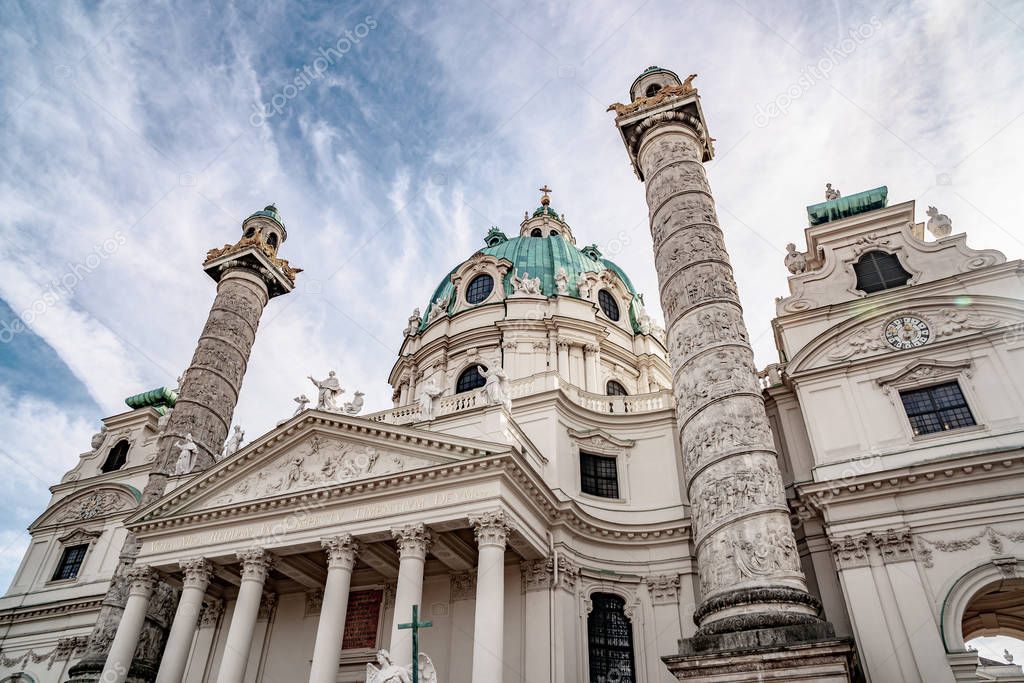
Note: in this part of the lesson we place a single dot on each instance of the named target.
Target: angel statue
(496, 386)
(389, 672)
(302, 400)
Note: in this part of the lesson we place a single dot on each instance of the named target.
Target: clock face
(907, 332)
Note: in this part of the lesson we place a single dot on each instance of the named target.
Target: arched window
(250, 232)
(554, 233)
(608, 305)
(613, 388)
(536, 232)
(117, 457)
(610, 640)
(469, 380)
(479, 288)
(652, 90)
(272, 241)
(877, 270)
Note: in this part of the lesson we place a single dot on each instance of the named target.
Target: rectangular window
(937, 409)
(70, 562)
(599, 475)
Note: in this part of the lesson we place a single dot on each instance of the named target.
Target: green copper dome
(269, 211)
(542, 257)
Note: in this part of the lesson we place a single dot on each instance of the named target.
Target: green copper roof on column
(844, 207)
(162, 399)
(269, 211)
(540, 257)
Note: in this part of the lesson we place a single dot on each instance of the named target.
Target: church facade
(564, 490)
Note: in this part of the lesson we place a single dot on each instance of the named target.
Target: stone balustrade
(535, 384)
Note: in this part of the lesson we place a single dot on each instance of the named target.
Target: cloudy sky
(137, 135)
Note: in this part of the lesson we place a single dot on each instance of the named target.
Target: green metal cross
(416, 625)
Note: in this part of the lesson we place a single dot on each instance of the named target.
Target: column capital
(894, 545)
(197, 572)
(256, 563)
(850, 552)
(141, 580)
(491, 528)
(341, 551)
(414, 540)
(210, 612)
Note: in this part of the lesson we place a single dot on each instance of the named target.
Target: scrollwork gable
(830, 278)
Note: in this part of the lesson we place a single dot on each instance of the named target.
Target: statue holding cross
(392, 672)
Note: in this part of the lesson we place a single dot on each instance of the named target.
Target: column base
(809, 653)
(88, 670)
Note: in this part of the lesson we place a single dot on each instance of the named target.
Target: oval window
(479, 288)
(608, 305)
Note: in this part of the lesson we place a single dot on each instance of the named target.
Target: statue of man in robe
(329, 389)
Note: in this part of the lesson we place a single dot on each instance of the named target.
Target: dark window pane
(615, 389)
(70, 562)
(608, 304)
(877, 271)
(117, 457)
(937, 409)
(610, 641)
(479, 289)
(470, 379)
(599, 475)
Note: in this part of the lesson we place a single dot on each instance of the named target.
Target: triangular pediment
(315, 451)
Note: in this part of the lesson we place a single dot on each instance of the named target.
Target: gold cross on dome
(545, 200)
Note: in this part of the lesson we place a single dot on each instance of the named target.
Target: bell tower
(752, 592)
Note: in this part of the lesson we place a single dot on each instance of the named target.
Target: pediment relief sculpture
(316, 462)
(89, 505)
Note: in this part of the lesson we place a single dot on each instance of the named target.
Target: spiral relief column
(747, 559)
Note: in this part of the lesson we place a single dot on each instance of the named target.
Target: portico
(386, 535)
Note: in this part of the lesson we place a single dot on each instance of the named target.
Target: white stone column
(256, 564)
(591, 358)
(749, 565)
(563, 359)
(142, 580)
(186, 618)
(492, 530)
(414, 542)
(341, 558)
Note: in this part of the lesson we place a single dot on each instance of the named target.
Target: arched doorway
(993, 623)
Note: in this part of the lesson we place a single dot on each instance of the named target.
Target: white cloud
(435, 128)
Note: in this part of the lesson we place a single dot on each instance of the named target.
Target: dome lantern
(545, 221)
